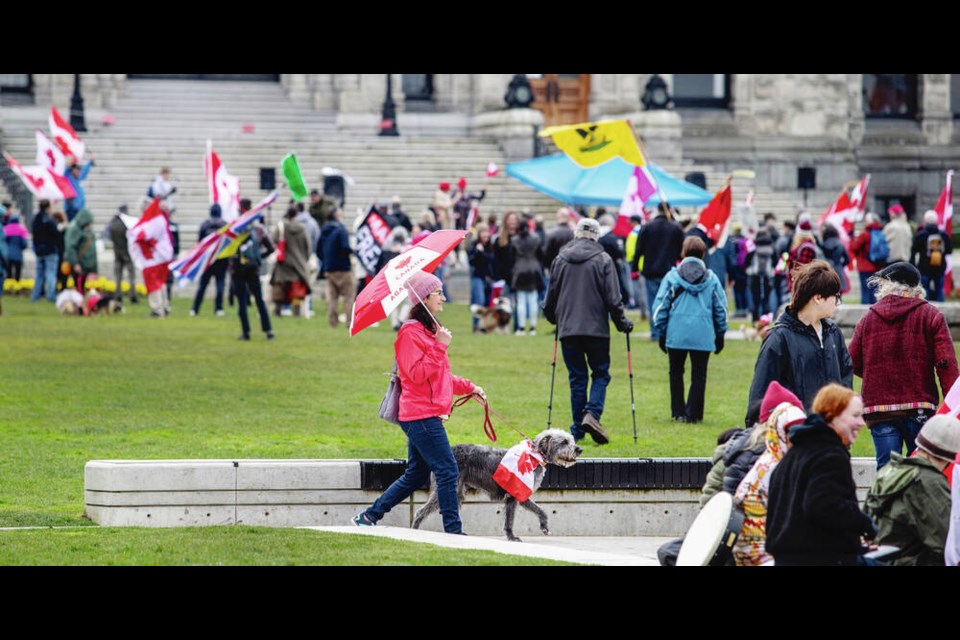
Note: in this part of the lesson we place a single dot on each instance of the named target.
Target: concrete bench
(292, 493)
(848, 315)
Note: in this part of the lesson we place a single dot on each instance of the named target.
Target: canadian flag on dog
(516, 471)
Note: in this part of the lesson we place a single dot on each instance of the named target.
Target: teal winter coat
(690, 307)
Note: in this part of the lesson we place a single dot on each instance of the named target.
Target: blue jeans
(579, 352)
(653, 286)
(933, 285)
(428, 449)
(46, 277)
(891, 436)
(527, 308)
(478, 295)
(866, 293)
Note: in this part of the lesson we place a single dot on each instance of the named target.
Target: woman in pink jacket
(426, 399)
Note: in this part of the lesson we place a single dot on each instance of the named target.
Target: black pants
(692, 409)
(247, 281)
(16, 269)
(218, 271)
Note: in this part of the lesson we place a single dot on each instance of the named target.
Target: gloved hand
(663, 342)
(718, 342)
(625, 325)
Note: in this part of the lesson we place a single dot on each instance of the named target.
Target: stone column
(614, 93)
(489, 90)
(295, 85)
(936, 119)
(360, 100)
(857, 122)
(323, 92)
(512, 129)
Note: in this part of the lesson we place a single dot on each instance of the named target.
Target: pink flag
(492, 170)
(516, 471)
(151, 246)
(641, 186)
(224, 188)
(49, 155)
(41, 181)
(64, 135)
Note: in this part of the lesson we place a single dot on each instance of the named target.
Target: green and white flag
(291, 171)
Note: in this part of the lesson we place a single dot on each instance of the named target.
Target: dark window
(701, 90)
(418, 86)
(909, 204)
(16, 82)
(890, 95)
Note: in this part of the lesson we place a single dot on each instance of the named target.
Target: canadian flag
(944, 211)
(641, 186)
(49, 155)
(516, 471)
(151, 246)
(492, 169)
(42, 183)
(224, 188)
(847, 210)
(714, 217)
(64, 135)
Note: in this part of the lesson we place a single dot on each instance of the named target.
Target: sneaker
(243, 336)
(362, 520)
(592, 426)
(192, 312)
(219, 312)
(270, 335)
(518, 332)
(533, 332)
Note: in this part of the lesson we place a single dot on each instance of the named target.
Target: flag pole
(208, 168)
(646, 161)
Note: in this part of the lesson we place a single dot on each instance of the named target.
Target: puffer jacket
(690, 307)
(910, 504)
(426, 384)
(738, 459)
(792, 355)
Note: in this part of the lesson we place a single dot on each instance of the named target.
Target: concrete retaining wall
(293, 493)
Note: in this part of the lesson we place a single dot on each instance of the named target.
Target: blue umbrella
(560, 177)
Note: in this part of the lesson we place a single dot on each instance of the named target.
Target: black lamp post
(519, 93)
(388, 118)
(655, 94)
(76, 106)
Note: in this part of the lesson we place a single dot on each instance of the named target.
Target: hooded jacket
(80, 246)
(690, 307)
(910, 504)
(813, 516)
(426, 383)
(584, 291)
(46, 237)
(294, 268)
(16, 239)
(900, 375)
(792, 356)
(526, 265)
(860, 248)
(922, 246)
(738, 459)
(333, 248)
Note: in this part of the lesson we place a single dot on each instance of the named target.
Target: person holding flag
(245, 266)
(218, 270)
(76, 175)
(900, 375)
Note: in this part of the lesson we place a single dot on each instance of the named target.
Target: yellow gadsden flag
(592, 143)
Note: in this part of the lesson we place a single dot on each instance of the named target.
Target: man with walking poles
(584, 293)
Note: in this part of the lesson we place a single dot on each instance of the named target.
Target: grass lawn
(133, 387)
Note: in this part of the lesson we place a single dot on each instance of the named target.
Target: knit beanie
(902, 272)
(422, 284)
(940, 437)
(776, 394)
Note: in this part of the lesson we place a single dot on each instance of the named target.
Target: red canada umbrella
(386, 291)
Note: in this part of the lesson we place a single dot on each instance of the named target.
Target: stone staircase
(167, 122)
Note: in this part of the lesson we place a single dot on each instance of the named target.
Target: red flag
(64, 135)
(716, 214)
(41, 181)
(944, 211)
(151, 246)
(49, 155)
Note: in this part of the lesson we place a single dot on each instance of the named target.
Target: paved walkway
(613, 552)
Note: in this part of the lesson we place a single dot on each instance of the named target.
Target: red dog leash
(488, 429)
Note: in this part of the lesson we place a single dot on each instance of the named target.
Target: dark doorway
(417, 86)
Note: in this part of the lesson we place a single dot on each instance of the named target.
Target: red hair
(832, 400)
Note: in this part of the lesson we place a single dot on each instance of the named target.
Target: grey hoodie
(584, 291)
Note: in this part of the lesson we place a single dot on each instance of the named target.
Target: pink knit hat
(775, 395)
(422, 284)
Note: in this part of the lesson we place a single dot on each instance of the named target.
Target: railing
(21, 195)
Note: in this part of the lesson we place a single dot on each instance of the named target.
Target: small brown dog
(494, 319)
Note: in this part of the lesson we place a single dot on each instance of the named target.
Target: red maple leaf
(147, 245)
(526, 463)
(53, 161)
(404, 262)
(36, 181)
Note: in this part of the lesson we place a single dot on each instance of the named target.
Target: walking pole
(633, 405)
(553, 375)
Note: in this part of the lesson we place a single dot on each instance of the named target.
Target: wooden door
(563, 98)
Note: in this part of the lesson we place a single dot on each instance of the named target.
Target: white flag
(49, 155)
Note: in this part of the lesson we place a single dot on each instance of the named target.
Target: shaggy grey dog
(478, 463)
